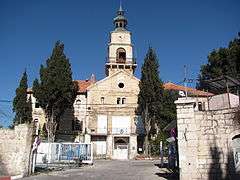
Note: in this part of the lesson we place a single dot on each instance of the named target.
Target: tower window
(120, 24)
(102, 100)
(123, 100)
(121, 55)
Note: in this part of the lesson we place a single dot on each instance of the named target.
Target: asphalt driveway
(109, 170)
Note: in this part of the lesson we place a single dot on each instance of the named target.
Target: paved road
(108, 170)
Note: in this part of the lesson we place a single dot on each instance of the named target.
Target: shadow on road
(166, 172)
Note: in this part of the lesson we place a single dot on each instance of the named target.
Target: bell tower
(120, 49)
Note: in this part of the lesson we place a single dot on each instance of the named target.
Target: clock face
(120, 38)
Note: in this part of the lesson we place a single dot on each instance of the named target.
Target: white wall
(221, 101)
(102, 124)
(121, 123)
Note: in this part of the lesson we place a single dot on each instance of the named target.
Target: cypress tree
(168, 112)
(55, 91)
(150, 95)
(22, 106)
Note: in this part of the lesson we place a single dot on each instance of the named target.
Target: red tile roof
(191, 91)
(83, 85)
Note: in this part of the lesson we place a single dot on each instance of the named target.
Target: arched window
(77, 125)
(102, 100)
(78, 102)
(123, 100)
(121, 55)
(118, 100)
(236, 151)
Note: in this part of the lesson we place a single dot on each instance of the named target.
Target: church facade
(104, 111)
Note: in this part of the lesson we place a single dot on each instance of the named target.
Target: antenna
(185, 80)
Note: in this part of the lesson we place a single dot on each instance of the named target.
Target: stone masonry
(205, 141)
(15, 148)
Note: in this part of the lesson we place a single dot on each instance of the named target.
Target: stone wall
(15, 148)
(205, 141)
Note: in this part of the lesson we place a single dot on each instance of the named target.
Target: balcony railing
(121, 130)
(105, 131)
(121, 61)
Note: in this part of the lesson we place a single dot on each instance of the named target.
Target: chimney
(93, 78)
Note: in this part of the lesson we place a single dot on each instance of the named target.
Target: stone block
(181, 127)
(184, 116)
(202, 161)
(180, 121)
(191, 136)
(16, 149)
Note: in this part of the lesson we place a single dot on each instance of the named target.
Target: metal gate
(50, 153)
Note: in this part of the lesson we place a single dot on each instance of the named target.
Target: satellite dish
(182, 93)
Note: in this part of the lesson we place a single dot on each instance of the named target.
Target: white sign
(36, 143)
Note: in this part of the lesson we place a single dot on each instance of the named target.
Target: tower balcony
(126, 61)
(112, 65)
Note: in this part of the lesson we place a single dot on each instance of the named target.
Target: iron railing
(106, 131)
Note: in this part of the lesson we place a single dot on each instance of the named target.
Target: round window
(120, 85)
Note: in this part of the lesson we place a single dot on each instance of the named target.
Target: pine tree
(223, 61)
(150, 95)
(22, 106)
(55, 91)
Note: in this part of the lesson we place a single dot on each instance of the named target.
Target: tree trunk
(146, 144)
(147, 128)
(51, 126)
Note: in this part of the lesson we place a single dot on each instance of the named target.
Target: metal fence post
(91, 153)
(59, 151)
(161, 152)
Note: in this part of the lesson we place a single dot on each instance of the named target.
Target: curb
(16, 177)
(11, 177)
(5, 178)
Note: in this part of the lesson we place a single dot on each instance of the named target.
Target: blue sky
(182, 32)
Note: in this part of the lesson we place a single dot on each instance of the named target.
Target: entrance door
(120, 150)
(101, 148)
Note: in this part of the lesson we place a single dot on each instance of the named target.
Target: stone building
(104, 111)
(208, 137)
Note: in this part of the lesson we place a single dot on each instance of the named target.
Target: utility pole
(185, 80)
